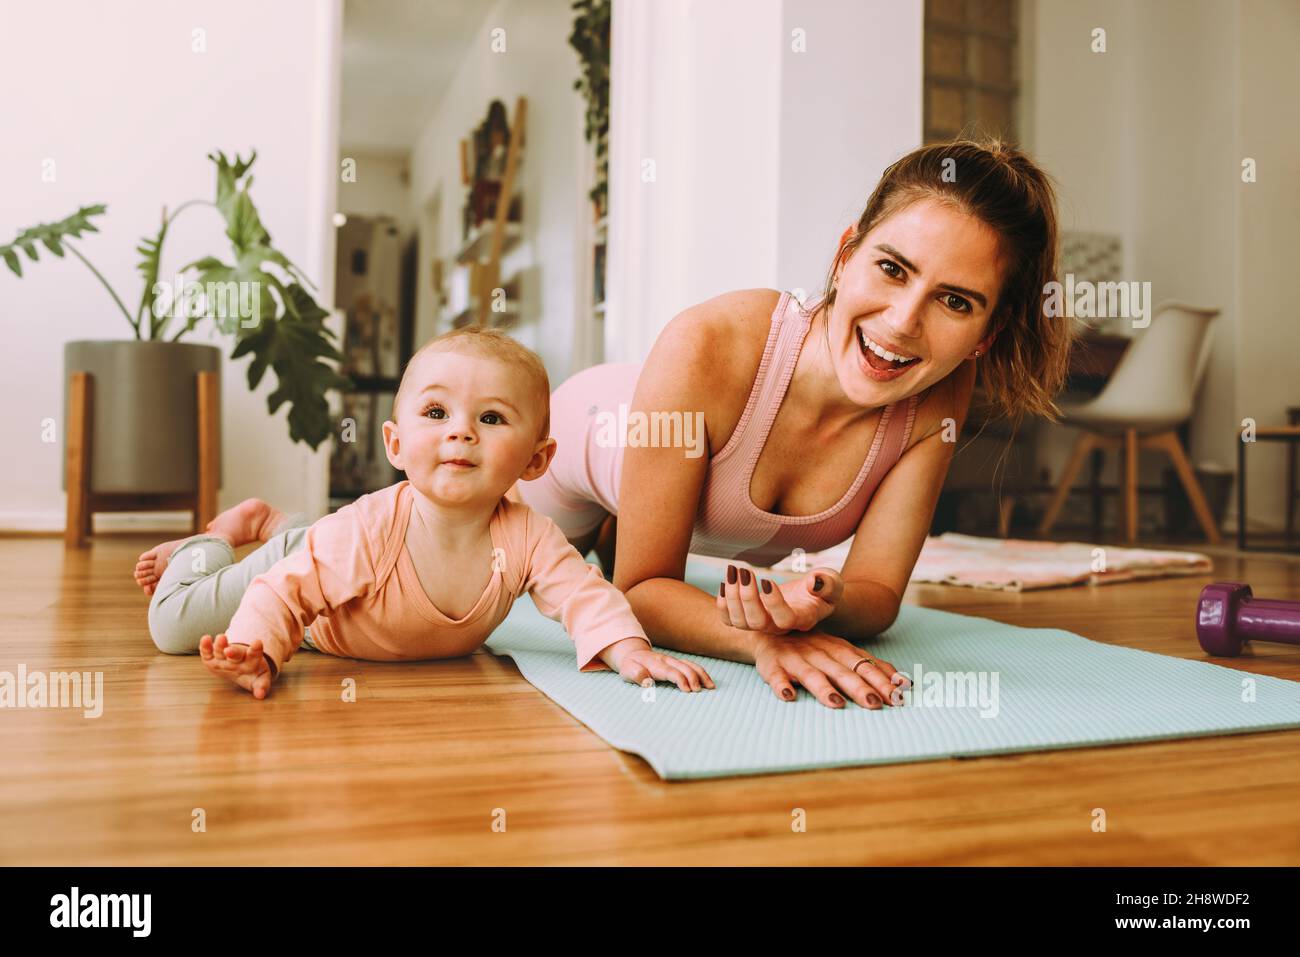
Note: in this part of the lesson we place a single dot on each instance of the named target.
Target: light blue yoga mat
(982, 687)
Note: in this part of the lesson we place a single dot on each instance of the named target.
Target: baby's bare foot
(252, 520)
(151, 565)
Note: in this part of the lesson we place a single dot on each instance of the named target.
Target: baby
(426, 568)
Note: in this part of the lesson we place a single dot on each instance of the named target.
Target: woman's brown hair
(1002, 187)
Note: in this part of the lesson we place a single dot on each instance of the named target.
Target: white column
(694, 114)
(744, 136)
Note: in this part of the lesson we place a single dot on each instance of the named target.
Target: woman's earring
(977, 353)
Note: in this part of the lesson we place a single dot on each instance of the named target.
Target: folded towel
(1012, 564)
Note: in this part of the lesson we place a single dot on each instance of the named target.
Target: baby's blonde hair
(492, 344)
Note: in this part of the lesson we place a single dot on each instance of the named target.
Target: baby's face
(466, 430)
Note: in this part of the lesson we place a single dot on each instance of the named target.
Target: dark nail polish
(817, 583)
(722, 590)
(744, 576)
(873, 700)
(836, 700)
(787, 694)
(731, 574)
(767, 587)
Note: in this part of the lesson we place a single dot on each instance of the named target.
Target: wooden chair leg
(209, 426)
(1094, 487)
(81, 397)
(1168, 441)
(1081, 449)
(1006, 507)
(1130, 485)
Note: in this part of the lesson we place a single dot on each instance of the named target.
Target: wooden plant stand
(83, 502)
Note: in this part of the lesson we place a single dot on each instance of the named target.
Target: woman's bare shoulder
(723, 336)
(707, 358)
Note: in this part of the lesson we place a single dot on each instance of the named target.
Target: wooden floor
(413, 771)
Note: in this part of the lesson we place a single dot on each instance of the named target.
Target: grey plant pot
(144, 428)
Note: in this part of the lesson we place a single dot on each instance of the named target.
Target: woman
(811, 415)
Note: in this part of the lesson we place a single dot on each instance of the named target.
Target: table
(1290, 434)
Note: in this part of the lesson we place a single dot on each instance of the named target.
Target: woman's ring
(861, 660)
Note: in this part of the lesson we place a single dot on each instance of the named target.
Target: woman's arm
(894, 527)
(659, 496)
(660, 490)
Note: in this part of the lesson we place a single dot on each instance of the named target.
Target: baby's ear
(392, 445)
(541, 460)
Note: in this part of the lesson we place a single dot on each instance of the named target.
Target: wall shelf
(482, 250)
(479, 243)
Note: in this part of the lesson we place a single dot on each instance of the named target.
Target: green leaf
(51, 235)
(11, 259)
(150, 251)
(290, 337)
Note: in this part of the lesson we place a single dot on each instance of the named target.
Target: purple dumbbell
(1227, 616)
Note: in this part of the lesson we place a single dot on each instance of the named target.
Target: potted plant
(143, 430)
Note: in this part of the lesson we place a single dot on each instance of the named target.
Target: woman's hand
(636, 662)
(822, 663)
(745, 602)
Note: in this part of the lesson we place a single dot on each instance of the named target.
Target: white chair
(1150, 394)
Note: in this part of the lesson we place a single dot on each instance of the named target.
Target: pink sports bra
(728, 523)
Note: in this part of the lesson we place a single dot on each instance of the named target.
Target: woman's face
(923, 286)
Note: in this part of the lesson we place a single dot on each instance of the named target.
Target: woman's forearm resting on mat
(679, 616)
(864, 610)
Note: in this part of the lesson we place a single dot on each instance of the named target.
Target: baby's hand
(636, 661)
(245, 665)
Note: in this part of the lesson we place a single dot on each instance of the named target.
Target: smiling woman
(995, 197)
(822, 422)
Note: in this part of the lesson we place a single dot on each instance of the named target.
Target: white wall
(1267, 348)
(761, 152)
(850, 106)
(381, 188)
(537, 63)
(116, 97)
(1147, 140)
(1183, 184)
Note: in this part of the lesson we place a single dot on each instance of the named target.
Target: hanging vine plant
(590, 38)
